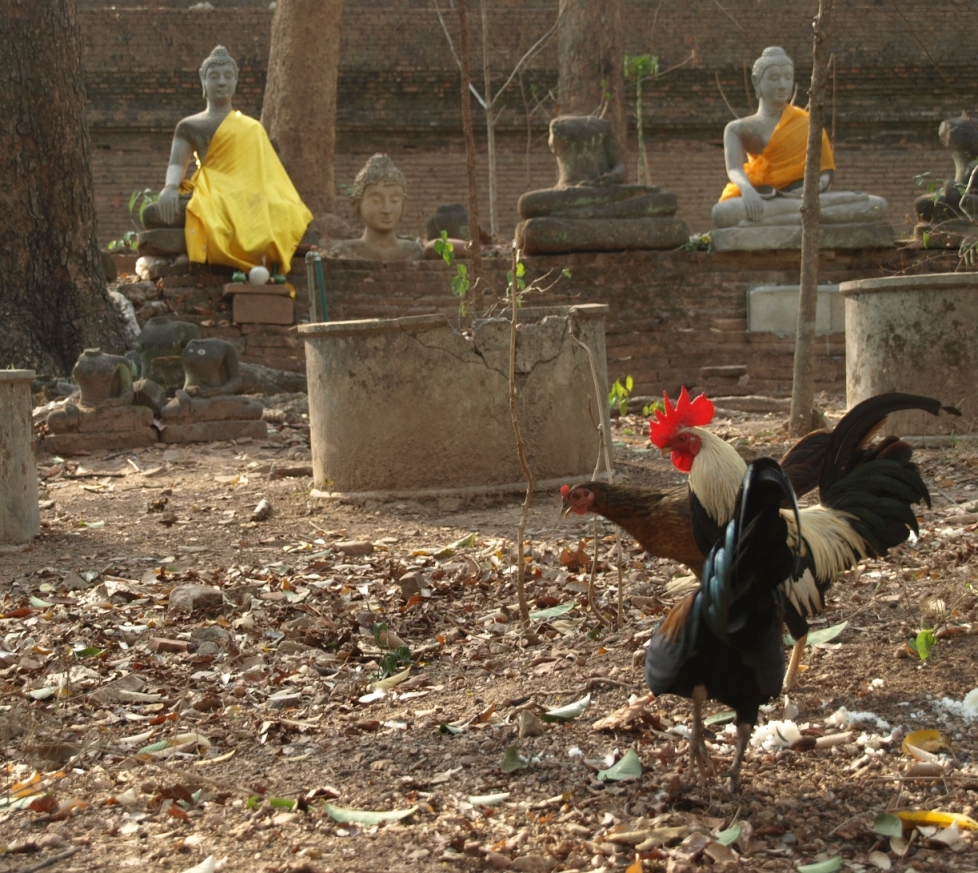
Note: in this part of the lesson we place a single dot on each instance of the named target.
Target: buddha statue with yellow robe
(765, 157)
(239, 208)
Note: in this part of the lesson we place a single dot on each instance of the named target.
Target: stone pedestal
(261, 304)
(78, 429)
(556, 235)
(444, 428)
(20, 519)
(915, 334)
(875, 235)
(189, 419)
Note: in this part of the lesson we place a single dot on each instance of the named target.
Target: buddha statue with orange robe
(240, 208)
(765, 158)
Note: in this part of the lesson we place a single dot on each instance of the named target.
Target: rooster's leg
(699, 758)
(791, 677)
(744, 730)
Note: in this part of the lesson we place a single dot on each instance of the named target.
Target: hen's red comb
(686, 413)
(564, 490)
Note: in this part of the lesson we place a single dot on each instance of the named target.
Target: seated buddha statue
(378, 199)
(765, 158)
(240, 208)
(953, 208)
(591, 208)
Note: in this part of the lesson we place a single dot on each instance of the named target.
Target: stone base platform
(550, 236)
(874, 235)
(213, 431)
(69, 443)
(261, 304)
(162, 241)
(945, 235)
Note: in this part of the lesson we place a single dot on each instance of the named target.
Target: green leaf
(450, 729)
(520, 268)
(924, 643)
(569, 712)
(827, 866)
(512, 760)
(629, 383)
(93, 525)
(89, 652)
(488, 799)
(729, 836)
(367, 816)
(888, 825)
(720, 718)
(824, 635)
(629, 766)
(565, 273)
(253, 802)
(281, 803)
(552, 612)
(37, 603)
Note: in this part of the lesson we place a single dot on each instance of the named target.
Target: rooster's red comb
(564, 490)
(686, 413)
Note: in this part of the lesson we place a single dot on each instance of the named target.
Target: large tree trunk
(803, 383)
(53, 302)
(591, 61)
(299, 111)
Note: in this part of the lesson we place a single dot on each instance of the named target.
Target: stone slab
(774, 309)
(254, 308)
(184, 409)
(544, 236)
(110, 419)
(211, 431)
(161, 241)
(68, 443)
(874, 235)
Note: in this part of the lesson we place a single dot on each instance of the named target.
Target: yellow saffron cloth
(244, 206)
(783, 158)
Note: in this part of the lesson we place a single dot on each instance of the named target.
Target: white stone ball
(259, 276)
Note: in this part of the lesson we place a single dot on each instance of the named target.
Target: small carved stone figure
(160, 344)
(104, 380)
(240, 208)
(211, 368)
(957, 199)
(379, 197)
(590, 208)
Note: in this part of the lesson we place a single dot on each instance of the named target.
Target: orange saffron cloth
(244, 208)
(783, 158)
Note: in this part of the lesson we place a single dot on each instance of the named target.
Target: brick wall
(671, 313)
(398, 91)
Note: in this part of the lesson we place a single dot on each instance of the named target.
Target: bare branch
(533, 49)
(458, 62)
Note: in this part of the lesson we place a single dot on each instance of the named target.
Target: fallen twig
(50, 861)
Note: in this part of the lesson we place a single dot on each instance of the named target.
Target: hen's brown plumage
(660, 520)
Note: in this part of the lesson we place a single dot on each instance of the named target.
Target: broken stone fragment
(195, 598)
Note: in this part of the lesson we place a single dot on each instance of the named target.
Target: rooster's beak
(666, 452)
(566, 509)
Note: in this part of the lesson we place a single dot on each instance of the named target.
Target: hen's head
(673, 428)
(579, 499)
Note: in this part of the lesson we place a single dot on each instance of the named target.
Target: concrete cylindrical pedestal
(19, 516)
(410, 407)
(917, 334)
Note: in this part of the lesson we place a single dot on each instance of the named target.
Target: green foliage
(392, 662)
(460, 281)
(144, 198)
(126, 244)
(520, 272)
(641, 66)
(650, 408)
(444, 248)
(923, 643)
(618, 395)
(699, 242)
(926, 179)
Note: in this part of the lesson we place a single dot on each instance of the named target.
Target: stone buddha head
(219, 75)
(773, 75)
(379, 194)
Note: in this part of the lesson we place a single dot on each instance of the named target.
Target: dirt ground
(228, 737)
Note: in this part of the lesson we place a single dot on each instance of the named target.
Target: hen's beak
(666, 452)
(566, 509)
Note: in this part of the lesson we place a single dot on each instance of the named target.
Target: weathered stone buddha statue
(104, 415)
(209, 406)
(765, 156)
(240, 208)
(590, 208)
(951, 212)
(379, 197)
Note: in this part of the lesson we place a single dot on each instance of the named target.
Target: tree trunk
(591, 59)
(299, 110)
(475, 243)
(803, 385)
(53, 301)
